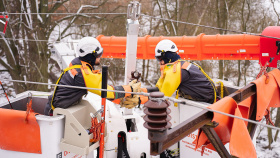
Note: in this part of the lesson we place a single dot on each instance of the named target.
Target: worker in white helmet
(81, 73)
(176, 74)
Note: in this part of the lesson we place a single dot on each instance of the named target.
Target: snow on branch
(81, 8)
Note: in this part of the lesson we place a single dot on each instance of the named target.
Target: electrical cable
(111, 150)
(77, 87)
(211, 27)
(32, 40)
(192, 103)
(66, 13)
(188, 23)
(189, 102)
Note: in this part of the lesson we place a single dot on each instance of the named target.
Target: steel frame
(203, 120)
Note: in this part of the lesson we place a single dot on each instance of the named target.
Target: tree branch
(200, 18)
(57, 5)
(164, 25)
(274, 9)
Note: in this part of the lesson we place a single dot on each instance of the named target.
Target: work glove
(135, 86)
(130, 101)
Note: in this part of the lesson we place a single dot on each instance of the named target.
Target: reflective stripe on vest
(186, 65)
(72, 72)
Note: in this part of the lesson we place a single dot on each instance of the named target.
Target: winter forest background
(34, 25)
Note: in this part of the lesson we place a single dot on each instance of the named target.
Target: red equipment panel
(270, 46)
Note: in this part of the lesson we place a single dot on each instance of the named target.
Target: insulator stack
(157, 118)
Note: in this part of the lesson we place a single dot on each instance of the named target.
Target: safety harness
(65, 70)
(211, 81)
(186, 65)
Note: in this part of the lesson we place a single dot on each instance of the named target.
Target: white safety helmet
(164, 46)
(88, 45)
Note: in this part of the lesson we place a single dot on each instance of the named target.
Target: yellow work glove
(130, 102)
(136, 86)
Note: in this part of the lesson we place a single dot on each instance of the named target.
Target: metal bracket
(211, 124)
(135, 75)
(180, 131)
(216, 141)
(133, 10)
(203, 120)
(244, 93)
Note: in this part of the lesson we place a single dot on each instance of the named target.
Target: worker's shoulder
(76, 61)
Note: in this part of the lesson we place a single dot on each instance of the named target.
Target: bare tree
(275, 11)
(24, 50)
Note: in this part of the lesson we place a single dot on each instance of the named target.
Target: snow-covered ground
(262, 143)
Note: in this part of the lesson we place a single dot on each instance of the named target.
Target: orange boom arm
(202, 47)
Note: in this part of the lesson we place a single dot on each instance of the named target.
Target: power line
(211, 27)
(188, 23)
(77, 87)
(192, 103)
(66, 13)
(36, 40)
(189, 102)
(32, 40)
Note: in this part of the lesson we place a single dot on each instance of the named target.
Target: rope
(189, 102)
(211, 81)
(95, 130)
(222, 88)
(263, 72)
